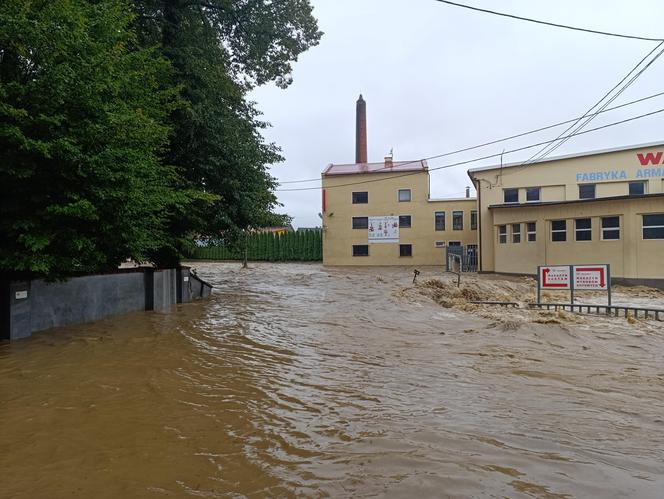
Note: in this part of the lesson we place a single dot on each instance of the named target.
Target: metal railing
(612, 310)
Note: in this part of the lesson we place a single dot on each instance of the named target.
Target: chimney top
(467, 192)
(388, 162)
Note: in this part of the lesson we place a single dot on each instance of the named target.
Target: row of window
(586, 191)
(362, 197)
(407, 249)
(652, 228)
(363, 250)
(405, 221)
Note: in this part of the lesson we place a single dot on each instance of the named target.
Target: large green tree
(83, 128)
(219, 50)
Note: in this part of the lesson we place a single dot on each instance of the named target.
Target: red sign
(591, 277)
(555, 277)
(650, 158)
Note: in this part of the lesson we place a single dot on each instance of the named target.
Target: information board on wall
(383, 229)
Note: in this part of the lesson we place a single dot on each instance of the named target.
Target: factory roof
(357, 168)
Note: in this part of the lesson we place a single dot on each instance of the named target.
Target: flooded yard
(298, 380)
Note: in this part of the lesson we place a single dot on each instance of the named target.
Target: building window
(610, 228)
(637, 188)
(653, 226)
(360, 197)
(404, 221)
(583, 229)
(587, 191)
(360, 250)
(559, 230)
(404, 195)
(360, 222)
(405, 250)
(457, 220)
(473, 219)
(439, 244)
(531, 229)
(454, 243)
(516, 233)
(502, 234)
(439, 220)
(532, 194)
(511, 195)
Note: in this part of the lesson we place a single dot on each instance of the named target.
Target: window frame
(354, 219)
(511, 189)
(516, 234)
(354, 246)
(473, 219)
(644, 227)
(435, 221)
(410, 195)
(588, 230)
(559, 231)
(603, 229)
(502, 234)
(439, 244)
(410, 221)
(353, 200)
(403, 247)
(594, 187)
(531, 232)
(539, 194)
(454, 215)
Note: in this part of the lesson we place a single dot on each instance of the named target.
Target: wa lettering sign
(574, 278)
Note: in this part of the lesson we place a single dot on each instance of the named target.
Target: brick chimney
(389, 163)
(361, 131)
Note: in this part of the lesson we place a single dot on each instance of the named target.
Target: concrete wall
(38, 305)
(339, 235)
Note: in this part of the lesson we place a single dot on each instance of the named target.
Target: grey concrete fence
(30, 306)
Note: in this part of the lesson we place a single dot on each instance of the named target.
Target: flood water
(295, 380)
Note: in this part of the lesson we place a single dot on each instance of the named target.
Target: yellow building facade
(360, 198)
(599, 207)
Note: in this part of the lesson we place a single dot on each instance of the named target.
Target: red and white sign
(591, 277)
(555, 277)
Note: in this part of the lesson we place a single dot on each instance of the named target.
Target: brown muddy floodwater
(294, 380)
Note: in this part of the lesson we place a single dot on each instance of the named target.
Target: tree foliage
(219, 50)
(83, 123)
(125, 126)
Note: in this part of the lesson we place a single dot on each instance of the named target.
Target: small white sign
(21, 295)
(555, 277)
(186, 278)
(383, 229)
(591, 277)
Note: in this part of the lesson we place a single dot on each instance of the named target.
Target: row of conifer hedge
(301, 246)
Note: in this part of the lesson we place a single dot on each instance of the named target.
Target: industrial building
(599, 207)
(382, 213)
(593, 208)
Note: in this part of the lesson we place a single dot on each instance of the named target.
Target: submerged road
(294, 380)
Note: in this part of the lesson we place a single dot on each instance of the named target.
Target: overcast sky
(438, 78)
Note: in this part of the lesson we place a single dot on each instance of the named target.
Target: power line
(475, 159)
(552, 147)
(546, 23)
(497, 141)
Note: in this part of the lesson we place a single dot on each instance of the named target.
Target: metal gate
(465, 257)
